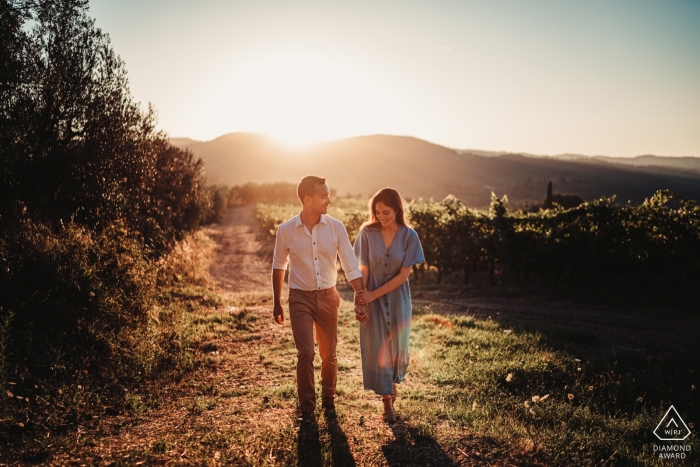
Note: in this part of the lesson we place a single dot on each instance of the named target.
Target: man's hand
(360, 310)
(278, 313)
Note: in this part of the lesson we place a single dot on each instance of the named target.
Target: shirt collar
(297, 220)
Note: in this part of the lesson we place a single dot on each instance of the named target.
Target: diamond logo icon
(672, 427)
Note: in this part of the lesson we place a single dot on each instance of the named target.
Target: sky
(600, 77)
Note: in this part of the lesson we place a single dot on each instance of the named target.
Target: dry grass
(468, 399)
(237, 404)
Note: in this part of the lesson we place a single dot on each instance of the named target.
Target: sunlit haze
(546, 77)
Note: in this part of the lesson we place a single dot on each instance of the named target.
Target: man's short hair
(307, 186)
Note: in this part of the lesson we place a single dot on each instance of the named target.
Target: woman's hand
(365, 296)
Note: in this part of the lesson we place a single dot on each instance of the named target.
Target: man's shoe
(328, 403)
(307, 415)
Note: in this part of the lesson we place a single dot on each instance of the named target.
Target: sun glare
(293, 138)
(299, 100)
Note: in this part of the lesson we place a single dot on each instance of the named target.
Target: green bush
(72, 292)
(93, 199)
(649, 252)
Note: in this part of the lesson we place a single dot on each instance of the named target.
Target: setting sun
(297, 100)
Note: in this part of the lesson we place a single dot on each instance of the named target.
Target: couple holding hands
(377, 267)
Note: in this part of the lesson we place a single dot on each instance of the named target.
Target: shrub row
(649, 251)
(640, 250)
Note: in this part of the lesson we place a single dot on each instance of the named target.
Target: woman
(386, 249)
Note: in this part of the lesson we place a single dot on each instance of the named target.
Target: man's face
(320, 200)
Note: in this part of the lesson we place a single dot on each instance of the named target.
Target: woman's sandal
(389, 414)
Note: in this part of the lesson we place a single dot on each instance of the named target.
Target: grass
(478, 392)
(543, 390)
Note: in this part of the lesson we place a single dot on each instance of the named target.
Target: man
(311, 242)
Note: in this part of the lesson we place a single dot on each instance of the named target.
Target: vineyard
(629, 254)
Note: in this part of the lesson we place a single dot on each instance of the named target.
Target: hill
(417, 168)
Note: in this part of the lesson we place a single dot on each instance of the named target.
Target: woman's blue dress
(384, 336)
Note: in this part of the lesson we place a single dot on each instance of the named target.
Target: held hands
(360, 310)
(361, 313)
(278, 313)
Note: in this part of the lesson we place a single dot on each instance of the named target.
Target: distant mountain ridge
(680, 162)
(419, 169)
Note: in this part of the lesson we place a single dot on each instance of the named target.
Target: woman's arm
(367, 296)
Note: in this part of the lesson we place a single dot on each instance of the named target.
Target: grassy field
(481, 390)
(478, 392)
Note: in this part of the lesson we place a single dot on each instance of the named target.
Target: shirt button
(388, 323)
(386, 265)
(386, 303)
(388, 333)
(387, 255)
(385, 274)
(387, 313)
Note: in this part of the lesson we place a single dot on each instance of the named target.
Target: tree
(91, 194)
(75, 145)
(548, 198)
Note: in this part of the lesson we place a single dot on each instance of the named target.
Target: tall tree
(548, 199)
(75, 145)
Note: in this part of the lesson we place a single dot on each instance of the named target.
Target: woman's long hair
(391, 198)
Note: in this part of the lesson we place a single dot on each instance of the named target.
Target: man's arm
(357, 284)
(279, 266)
(277, 279)
(348, 260)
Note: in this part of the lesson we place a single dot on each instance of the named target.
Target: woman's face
(385, 214)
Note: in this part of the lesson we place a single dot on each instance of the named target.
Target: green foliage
(93, 198)
(252, 193)
(74, 145)
(72, 292)
(578, 404)
(351, 211)
(640, 249)
(216, 202)
(5, 321)
(566, 200)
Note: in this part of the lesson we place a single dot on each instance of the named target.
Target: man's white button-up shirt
(312, 255)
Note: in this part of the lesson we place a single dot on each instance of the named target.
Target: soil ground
(243, 397)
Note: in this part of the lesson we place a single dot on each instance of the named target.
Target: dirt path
(238, 407)
(237, 266)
